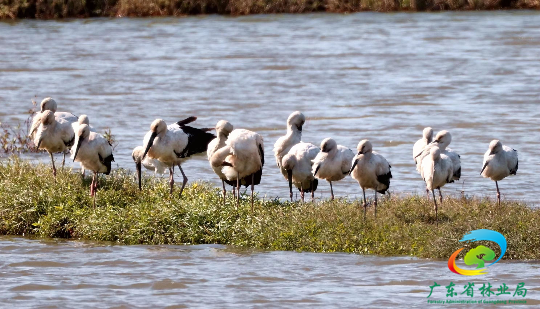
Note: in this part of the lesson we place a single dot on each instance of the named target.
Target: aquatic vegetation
(93, 8)
(33, 204)
(14, 138)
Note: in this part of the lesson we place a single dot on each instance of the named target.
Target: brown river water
(378, 76)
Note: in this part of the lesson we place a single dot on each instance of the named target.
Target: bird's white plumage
(333, 162)
(283, 145)
(442, 141)
(92, 150)
(83, 119)
(437, 169)
(370, 165)
(53, 135)
(300, 161)
(170, 141)
(242, 147)
(499, 161)
(48, 104)
(223, 129)
(150, 164)
(427, 138)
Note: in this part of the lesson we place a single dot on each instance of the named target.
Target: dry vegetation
(32, 203)
(110, 8)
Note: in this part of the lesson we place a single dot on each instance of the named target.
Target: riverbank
(12, 9)
(32, 203)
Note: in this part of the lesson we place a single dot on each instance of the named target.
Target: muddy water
(378, 76)
(53, 273)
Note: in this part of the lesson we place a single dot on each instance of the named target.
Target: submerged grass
(32, 203)
(93, 8)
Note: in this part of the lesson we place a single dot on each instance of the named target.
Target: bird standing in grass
(298, 164)
(242, 159)
(371, 170)
(223, 129)
(427, 138)
(499, 162)
(333, 163)
(148, 163)
(94, 153)
(437, 170)
(48, 104)
(294, 136)
(441, 141)
(53, 135)
(173, 144)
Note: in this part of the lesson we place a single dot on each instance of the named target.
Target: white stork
(437, 170)
(333, 163)
(371, 170)
(53, 135)
(94, 153)
(499, 162)
(150, 164)
(294, 135)
(48, 104)
(427, 138)
(442, 140)
(298, 165)
(173, 144)
(242, 159)
(223, 129)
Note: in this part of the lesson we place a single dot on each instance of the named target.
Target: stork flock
(237, 155)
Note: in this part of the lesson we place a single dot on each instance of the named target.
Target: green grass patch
(33, 203)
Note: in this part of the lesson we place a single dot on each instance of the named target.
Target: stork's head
(137, 156)
(428, 134)
(288, 162)
(443, 139)
(48, 104)
(83, 132)
(364, 146)
(495, 146)
(296, 120)
(158, 126)
(328, 145)
(83, 119)
(47, 118)
(224, 128)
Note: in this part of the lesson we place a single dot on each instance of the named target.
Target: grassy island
(33, 203)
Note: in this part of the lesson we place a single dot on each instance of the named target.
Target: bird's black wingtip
(186, 121)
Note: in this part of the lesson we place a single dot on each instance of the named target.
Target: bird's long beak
(419, 154)
(353, 166)
(317, 169)
(299, 128)
(39, 143)
(289, 175)
(138, 168)
(483, 168)
(150, 143)
(77, 147)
